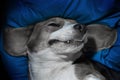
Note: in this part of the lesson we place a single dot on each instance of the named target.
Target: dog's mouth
(66, 46)
(72, 42)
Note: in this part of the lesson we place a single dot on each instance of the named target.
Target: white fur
(91, 77)
(49, 66)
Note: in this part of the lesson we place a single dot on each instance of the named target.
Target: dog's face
(62, 36)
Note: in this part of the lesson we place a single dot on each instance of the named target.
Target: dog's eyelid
(54, 24)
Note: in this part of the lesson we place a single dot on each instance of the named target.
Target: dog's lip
(52, 41)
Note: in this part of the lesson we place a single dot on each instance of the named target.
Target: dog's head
(62, 36)
(68, 38)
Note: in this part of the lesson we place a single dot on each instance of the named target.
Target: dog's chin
(69, 46)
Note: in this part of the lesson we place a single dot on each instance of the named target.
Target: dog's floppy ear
(15, 40)
(100, 37)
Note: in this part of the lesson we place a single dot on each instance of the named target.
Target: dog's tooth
(68, 41)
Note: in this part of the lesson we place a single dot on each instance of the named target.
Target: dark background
(3, 8)
(3, 72)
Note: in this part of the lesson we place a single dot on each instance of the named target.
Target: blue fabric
(24, 12)
(110, 57)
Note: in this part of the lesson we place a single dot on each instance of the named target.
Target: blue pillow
(22, 13)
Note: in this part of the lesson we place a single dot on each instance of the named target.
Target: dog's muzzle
(81, 29)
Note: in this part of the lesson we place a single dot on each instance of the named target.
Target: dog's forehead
(62, 20)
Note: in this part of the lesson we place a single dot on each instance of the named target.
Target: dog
(53, 46)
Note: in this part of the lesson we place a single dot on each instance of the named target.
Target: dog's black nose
(77, 26)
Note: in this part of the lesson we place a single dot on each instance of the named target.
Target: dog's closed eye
(54, 24)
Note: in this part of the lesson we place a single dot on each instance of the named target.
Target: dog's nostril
(51, 42)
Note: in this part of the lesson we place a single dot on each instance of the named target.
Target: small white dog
(55, 44)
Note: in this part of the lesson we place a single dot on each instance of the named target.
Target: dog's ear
(100, 37)
(15, 40)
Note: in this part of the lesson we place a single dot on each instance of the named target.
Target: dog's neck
(45, 63)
